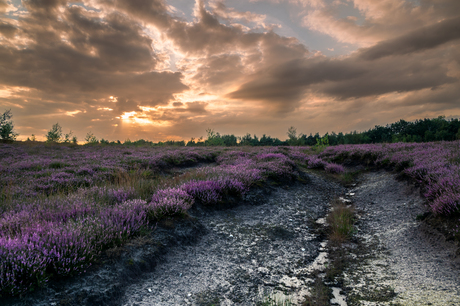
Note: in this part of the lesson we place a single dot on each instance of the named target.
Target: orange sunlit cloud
(171, 69)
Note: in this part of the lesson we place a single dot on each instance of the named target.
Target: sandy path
(250, 252)
(411, 259)
(241, 255)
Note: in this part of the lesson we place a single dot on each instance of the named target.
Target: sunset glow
(179, 67)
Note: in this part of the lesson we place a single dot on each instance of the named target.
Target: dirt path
(250, 253)
(246, 254)
(408, 263)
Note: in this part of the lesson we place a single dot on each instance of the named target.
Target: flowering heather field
(62, 206)
(436, 165)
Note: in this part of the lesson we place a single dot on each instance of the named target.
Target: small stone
(231, 236)
(303, 250)
(150, 290)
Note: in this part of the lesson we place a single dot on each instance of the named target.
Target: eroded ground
(249, 253)
(402, 260)
(269, 246)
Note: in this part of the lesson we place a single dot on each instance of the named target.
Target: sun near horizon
(170, 69)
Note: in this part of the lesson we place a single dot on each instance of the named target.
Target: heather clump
(54, 169)
(213, 191)
(275, 165)
(298, 153)
(169, 202)
(61, 208)
(313, 162)
(433, 165)
(61, 240)
(334, 168)
(108, 195)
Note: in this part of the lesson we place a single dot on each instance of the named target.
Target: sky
(170, 69)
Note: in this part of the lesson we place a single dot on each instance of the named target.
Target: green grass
(320, 296)
(341, 221)
(275, 300)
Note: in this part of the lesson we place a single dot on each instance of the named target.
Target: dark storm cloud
(392, 74)
(125, 105)
(197, 107)
(416, 41)
(284, 85)
(208, 35)
(78, 55)
(43, 4)
(7, 29)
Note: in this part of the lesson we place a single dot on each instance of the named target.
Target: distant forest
(424, 130)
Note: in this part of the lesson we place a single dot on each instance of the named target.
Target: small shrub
(57, 165)
(90, 138)
(55, 134)
(334, 168)
(315, 162)
(169, 202)
(6, 127)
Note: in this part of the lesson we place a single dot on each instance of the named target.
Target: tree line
(423, 130)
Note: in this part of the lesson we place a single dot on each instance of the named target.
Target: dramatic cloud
(416, 41)
(148, 69)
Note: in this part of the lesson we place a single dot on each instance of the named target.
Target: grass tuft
(341, 221)
(275, 300)
(320, 296)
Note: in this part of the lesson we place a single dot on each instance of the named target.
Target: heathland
(63, 206)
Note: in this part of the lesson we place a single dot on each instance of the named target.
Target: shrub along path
(242, 254)
(235, 255)
(248, 252)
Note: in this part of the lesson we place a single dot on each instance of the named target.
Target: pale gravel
(410, 257)
(186, 266)
(250, 252)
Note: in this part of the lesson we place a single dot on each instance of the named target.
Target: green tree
(6, 126)
(90, 138)
(214, 138)
(55, 134)
(295, 140)
(322, 143)
(246, 140)
(292, 135)
(191, 142)
(229, 140)
(68, 137)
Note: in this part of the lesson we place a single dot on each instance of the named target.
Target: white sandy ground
(413, 260)
(254, 250)
(249, 254)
